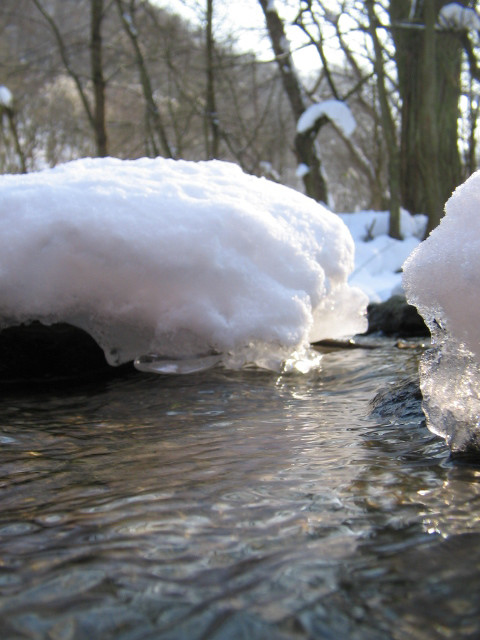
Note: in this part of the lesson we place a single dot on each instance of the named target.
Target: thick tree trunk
(428, 63)
(305, 150)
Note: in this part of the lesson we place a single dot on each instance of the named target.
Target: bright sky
(244, 20)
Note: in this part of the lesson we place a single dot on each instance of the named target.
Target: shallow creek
(234, 505)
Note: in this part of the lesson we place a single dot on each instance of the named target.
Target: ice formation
(166, 261)
(442, 279)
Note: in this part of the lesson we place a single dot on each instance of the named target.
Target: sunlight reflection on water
(234, 505)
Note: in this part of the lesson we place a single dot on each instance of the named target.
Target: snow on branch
(6, 98)
(302, 170)
(335, 110)
(459, 18)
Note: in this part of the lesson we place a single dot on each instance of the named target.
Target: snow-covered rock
(164, 261)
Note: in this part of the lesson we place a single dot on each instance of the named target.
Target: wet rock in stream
(401, 402)
(395, 317)
(401, 399)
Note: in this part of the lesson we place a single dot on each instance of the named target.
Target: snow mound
(166, 261)
(442, 279)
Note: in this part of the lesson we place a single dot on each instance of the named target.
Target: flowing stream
(235, 505)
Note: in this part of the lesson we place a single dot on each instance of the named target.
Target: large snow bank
(177, 259)
(379, 258)
(442, 279)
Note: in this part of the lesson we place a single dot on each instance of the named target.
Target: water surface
(234, 505)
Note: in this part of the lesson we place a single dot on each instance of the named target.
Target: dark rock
(40, 353)
(401, 400)
(400, 403)
(395, 317)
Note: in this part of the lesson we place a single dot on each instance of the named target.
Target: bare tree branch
(66, 62)
(127, 18)
(304, 141)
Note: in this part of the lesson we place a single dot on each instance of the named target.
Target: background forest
(127, 78)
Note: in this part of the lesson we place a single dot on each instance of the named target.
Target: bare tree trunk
(66, 62)
(305, 150)
(8, 111)
(153, 113)
(428, 61)
(388, 126)
(212, 133)
(470, 164)
(429, 167)
(95, 116)
(98, 77)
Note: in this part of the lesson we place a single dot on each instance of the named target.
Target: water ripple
(234, 504)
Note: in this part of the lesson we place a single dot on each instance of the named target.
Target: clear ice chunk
(152, 363)
(449, 380)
